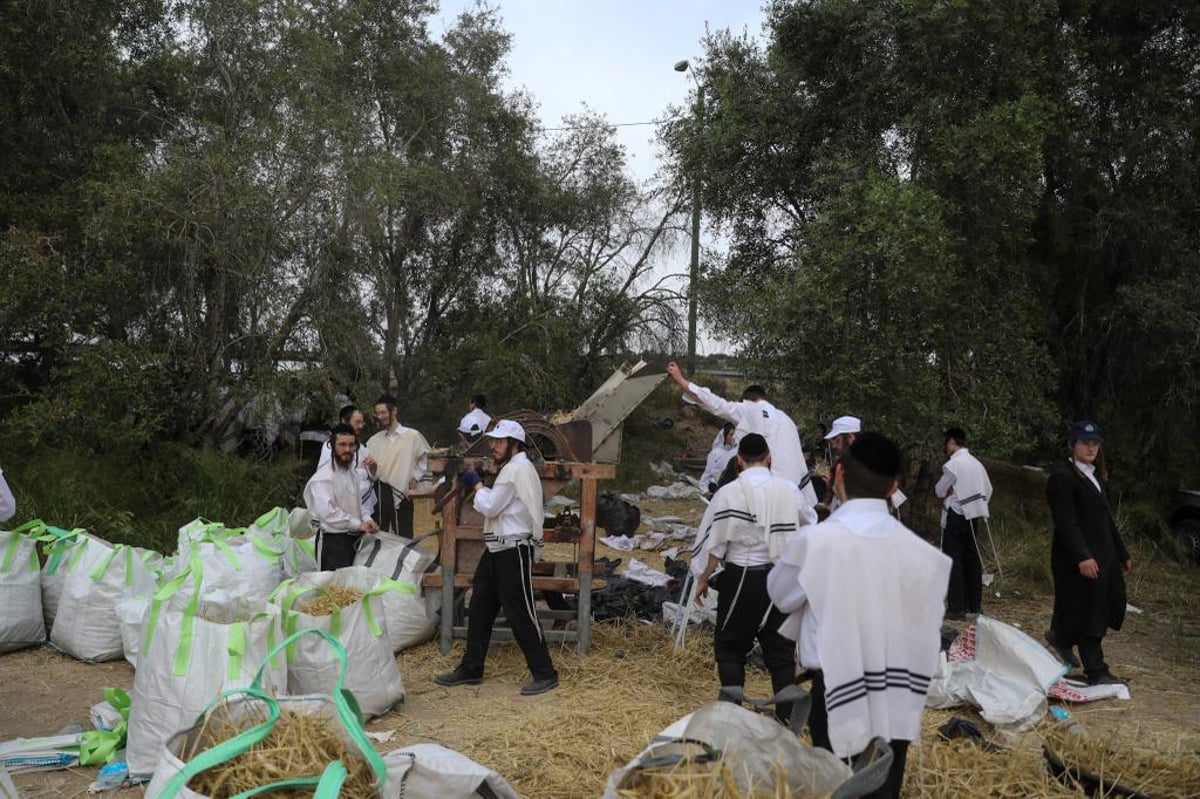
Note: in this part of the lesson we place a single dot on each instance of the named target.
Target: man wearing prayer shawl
(749, 523)
(865, 597)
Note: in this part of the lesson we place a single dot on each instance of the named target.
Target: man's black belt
(761, 568)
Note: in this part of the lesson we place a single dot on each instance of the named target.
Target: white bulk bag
(373, 675)
(412, 618)
(196, 530)
(191, 657)
(54, 575)
(433, 770)
(132, 607)
(21, 622)
(247, 709)
(233, 564)
(86, 625)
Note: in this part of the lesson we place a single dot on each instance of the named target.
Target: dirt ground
(611, 702)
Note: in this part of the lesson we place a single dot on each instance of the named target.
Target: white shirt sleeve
(8, 504)
(718, 406)
(945, 483)
(491, 501)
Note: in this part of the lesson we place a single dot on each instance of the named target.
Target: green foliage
(972, 213)
(142, 496)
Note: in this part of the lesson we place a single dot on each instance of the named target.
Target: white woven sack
(54, 572)
(196, 530)
(230, 565)
(21, 622)
(432, 770)
(412, 619)
(131, 608)
(170, 763)
(131, 618)
(188, 662)
(86, 625)
(373, 675)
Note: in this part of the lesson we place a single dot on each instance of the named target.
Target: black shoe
(1064, 652)
(457, 677)
(535, 687)
(1105, 678)
(956, 615)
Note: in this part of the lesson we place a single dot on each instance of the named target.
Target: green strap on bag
(328, 784)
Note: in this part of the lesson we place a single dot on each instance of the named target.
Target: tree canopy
(964, 213)
(214, 208)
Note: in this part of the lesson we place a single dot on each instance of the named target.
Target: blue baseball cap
(1085, 431)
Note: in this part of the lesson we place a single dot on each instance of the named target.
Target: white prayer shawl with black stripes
(751, 520)
(972, 487)
(876, 590)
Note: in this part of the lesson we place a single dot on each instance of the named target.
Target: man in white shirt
(513, 517)
(754, 414)
(865, 597)
(476, 420)
(724, 449)
(965, 491)
(399, 459)
(334, 497)
(752, 519)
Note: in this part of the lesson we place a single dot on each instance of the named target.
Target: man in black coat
(1088, 557)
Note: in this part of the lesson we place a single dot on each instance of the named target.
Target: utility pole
(694, 271)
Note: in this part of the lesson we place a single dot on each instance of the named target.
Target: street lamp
(694, 277)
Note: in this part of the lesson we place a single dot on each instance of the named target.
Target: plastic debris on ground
(640, 572)
(677, 490)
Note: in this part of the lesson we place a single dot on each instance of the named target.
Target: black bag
(617, 516)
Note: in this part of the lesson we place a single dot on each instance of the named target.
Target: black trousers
(336, 550)
(744, 614)
(393, 517)
(504, 579)
(818, 730)
(1091, 655)
(966, 572)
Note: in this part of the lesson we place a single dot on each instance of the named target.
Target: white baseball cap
(507, 428)
(843, 425)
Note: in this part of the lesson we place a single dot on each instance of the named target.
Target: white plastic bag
(21, 622)
(412, 618)
(432, 770)
(753, 747)
(373, 675)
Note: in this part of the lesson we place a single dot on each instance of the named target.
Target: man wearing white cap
(840, 436)
(754, 414)
(512, 530)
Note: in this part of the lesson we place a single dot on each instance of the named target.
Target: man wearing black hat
(865, 597)
(1088, 557)
(750, 521)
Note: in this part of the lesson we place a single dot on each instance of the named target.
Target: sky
(615, 57)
